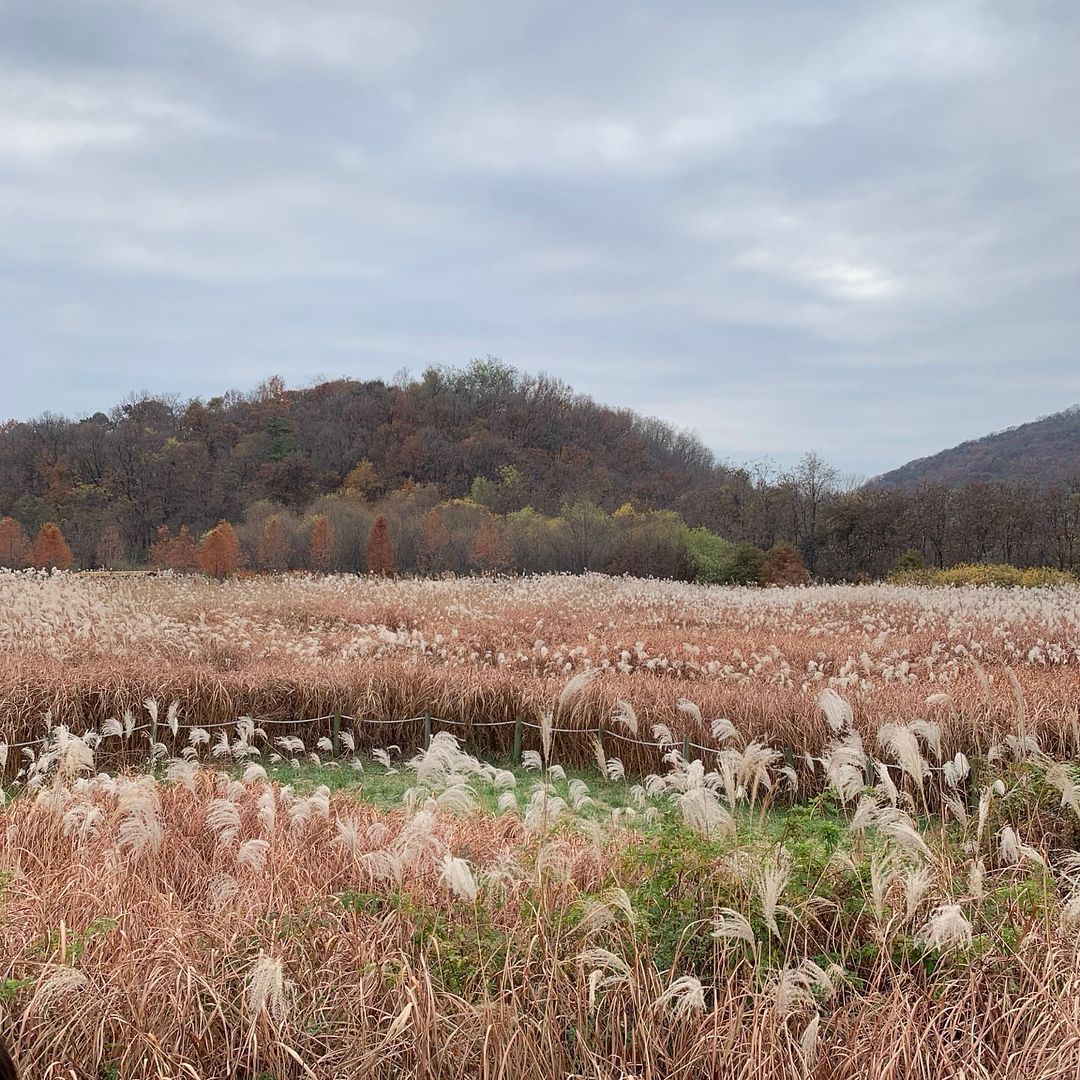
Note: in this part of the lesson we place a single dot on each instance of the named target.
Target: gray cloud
(842, 225)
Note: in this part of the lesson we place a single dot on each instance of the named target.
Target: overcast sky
(846, 226)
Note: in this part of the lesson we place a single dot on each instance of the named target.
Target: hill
(1045, 452)
(507, 439)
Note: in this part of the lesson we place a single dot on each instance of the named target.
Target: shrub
(747, 564)
(999, 574)
(909, 561)
(711, 556)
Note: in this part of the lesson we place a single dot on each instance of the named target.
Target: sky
(852, 227)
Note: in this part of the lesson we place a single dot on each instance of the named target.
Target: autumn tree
(111, 554)
(434, 541)
(362, 480)
(784, 566)
(50, 550)
(321, 549)
(179, 552)
(489, 551)
(379, 551)
(273, 553)
(14, 544)
(219, 551)
(158, 554)
(184, 553)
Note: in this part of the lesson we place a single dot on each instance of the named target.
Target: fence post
(427, 729)
(973, 784)
(153, 739)
(686, 748)
(517, 741)
(337, 732)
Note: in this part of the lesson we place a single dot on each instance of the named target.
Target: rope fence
(429, 721)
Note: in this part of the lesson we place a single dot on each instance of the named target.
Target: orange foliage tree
(50, 550)
(159, 548)
(184, 552)
(14, 544)
(219, 551)
(321, 545)
(110, 553)
(489, 550)
(434, 540)
(783, 566)
(178, 552)
(379, 551)
(273, 553)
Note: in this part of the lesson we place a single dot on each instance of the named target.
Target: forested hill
(164, 461)
(1045, 452)
(485, 469)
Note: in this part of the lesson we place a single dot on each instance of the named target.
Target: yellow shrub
(999, 574)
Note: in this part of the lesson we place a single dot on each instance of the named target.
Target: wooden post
(427, 730)
(516, 756)
(972, 783)
(153, 739)
(686, 747)
(336, 730)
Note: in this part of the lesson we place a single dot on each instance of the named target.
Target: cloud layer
(846, 226)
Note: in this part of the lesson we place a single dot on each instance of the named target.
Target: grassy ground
(423, 922)
(385, 788)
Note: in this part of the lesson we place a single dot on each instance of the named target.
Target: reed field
(815, 832)
(980, 662)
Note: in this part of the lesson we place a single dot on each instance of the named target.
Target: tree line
(477, 470)
(410, 532)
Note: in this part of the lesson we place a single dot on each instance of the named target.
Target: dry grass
(907, 912)
(209, 927)
(86, 649)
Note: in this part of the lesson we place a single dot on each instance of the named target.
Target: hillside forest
(480, 469)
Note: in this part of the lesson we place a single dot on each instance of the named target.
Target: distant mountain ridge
(1045, 452)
